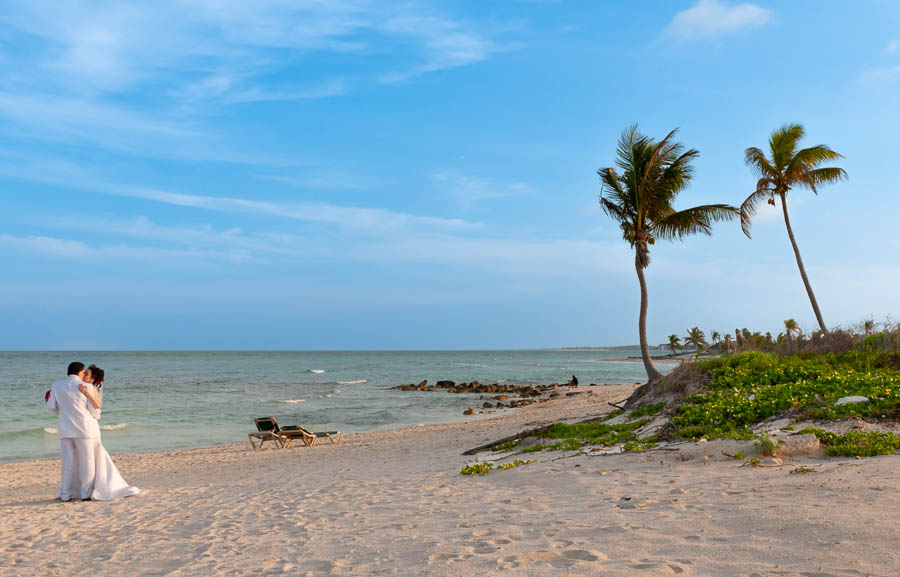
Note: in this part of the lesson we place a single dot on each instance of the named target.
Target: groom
(79, 434)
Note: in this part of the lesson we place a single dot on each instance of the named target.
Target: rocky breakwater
(527, 394)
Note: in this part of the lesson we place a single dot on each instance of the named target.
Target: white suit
(79, 436)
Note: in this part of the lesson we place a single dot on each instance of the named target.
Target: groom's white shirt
(77, 416)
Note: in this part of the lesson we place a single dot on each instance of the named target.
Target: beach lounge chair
(267, 430)
(285, 436)
(311, 437)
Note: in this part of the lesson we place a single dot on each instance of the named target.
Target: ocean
(165, 400)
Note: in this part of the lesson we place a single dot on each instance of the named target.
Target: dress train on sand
(108, 481)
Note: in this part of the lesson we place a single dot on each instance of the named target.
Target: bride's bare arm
(88, 391)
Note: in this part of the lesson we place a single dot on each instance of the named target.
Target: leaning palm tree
(674, 343)
(788, 168)
(696, 337)
(715, 337)
(640, 199)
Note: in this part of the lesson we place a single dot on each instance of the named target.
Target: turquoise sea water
(162, 400)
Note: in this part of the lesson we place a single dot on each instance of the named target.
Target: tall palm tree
(640, 200)
(790, 328)
(715, 337)
(696, 337)
(726, 340)
(785, 169)
(674, 343)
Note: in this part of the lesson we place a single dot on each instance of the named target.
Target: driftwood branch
(493, 444)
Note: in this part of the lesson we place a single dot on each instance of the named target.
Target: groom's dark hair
(75, 368)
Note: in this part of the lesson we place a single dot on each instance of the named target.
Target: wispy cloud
(468, 190)
(46, 245)
(80, 71)
(361, 220)
(881, 75)
(77, 250)
(708, 19)
(231, 89)
(446, 44)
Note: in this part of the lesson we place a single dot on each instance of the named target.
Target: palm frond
(808, 159)
(748, 207)
(756, 160)
(783, 144)
(698, 219)
(825, 175)
(614, 210)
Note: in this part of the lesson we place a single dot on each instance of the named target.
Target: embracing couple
(88, 472)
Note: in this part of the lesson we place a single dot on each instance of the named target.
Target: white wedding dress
(108, 481)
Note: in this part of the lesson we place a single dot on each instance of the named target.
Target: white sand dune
(394, 503)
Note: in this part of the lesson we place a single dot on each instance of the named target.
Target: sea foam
(317, 371)
(359, 382)
(116, 427)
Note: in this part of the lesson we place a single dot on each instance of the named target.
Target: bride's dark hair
(97, 374)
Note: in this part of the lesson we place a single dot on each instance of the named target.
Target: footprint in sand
(556, 559)
(672, 566)
(447, 557)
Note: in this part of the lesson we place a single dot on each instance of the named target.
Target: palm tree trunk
(809, 290)
(652, 374)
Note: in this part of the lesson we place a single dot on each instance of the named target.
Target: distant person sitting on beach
(573, 382)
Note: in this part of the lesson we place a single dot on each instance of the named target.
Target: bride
(108, 482)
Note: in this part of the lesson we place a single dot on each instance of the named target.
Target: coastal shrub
(613, 414)
(508, 446)
(751, 387)
(477, 469)
(855, 443)
(516, 463)
(642, 444)
(766, 446)
(648, 410)
(564, 445)
(596, 433)
(801, 470)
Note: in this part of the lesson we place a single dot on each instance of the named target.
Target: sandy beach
(394, 503)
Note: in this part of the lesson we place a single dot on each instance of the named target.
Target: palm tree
(674, 343)
(791, 327)
(715, 337)
(787, 168)
(727, 342)
(696, 337)
(868, 326)
(640, 199)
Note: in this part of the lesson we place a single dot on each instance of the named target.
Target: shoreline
(479, 415)
(393, 502)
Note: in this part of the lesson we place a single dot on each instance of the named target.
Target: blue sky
(340, 175)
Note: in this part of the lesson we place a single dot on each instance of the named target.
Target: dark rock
(469, 412)
(487, 406)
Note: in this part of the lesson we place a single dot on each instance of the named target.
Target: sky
(282, 174)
